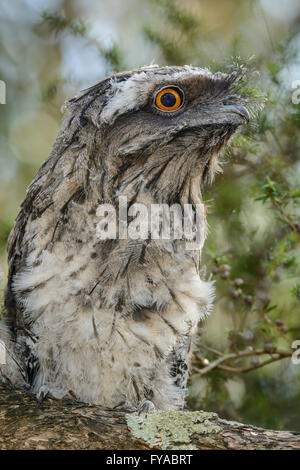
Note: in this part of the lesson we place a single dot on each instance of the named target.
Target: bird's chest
(104, 328)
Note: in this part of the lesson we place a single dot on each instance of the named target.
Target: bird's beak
(240, 110)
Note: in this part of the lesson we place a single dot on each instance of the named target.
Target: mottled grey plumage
(113, 321)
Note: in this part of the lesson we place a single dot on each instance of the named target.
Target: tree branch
(53, 424)
(275, 355)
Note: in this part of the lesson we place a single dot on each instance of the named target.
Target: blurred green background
(51, 49)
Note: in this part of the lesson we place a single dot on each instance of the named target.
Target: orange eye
(168, 99)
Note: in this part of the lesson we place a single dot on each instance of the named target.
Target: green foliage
(174, 42)
(5, 229)
(59, 24)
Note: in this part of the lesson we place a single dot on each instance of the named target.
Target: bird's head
(161, 129)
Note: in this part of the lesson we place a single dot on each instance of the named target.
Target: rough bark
(53, 424)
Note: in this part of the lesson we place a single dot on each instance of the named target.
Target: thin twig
(237, 370)
(258, 352)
